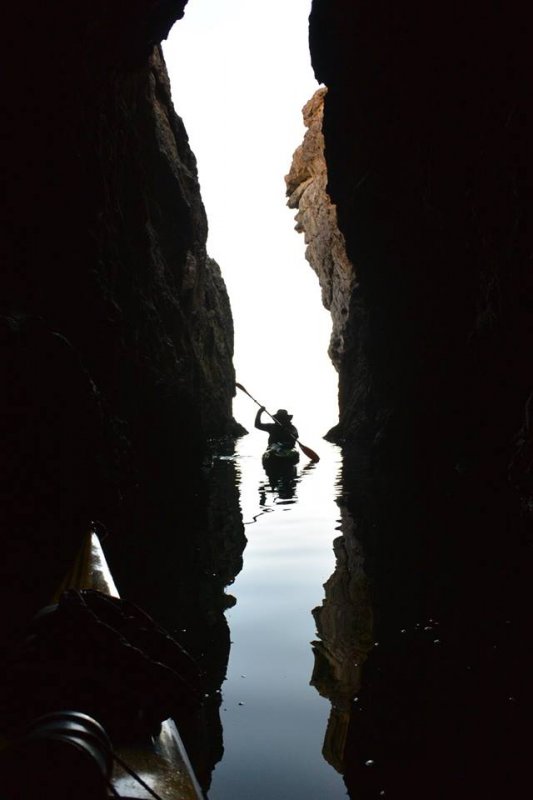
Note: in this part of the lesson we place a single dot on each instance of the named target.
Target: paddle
(307, 450)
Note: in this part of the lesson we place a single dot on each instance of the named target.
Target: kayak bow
(161, 761)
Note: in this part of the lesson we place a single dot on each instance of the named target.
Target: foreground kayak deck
(163, 765)
(161, 761)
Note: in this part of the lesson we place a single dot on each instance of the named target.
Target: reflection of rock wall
(180, 576)
(219, 548)
(344, 626)
(317, 218)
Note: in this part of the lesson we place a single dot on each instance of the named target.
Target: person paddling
(315, 458)
(282, 431)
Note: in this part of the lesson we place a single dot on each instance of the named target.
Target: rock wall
(111, 304)
(428, 145)
(427, 142)
(316, 218)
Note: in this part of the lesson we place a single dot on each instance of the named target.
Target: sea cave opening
(240, 78)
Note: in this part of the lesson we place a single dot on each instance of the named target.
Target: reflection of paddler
(282, 478)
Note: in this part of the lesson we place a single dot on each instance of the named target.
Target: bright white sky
(240, 74)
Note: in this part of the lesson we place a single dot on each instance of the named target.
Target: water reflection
(282, 482)
(273, 719)
(344, 624)
(443, 708)
(182, 550)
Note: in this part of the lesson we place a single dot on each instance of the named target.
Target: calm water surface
(274, 721)
(277, 614)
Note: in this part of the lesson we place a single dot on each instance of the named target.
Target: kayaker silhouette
(281, 432)
(290, 450)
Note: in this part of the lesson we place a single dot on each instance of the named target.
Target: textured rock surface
(317, 218)
(427, 147)
(104, 248)
(427, 139)
(116, 334)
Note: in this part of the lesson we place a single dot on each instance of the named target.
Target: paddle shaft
(238, 385)
(307, 450)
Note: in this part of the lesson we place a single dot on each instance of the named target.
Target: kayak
(161, 761)
(279, 455)
(138, 766)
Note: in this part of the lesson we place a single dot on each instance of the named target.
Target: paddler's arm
(259, 424)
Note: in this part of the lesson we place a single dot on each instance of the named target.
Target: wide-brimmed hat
(283, 413)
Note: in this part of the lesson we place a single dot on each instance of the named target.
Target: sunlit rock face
(104, 244)
(317, 218)
(427, 143)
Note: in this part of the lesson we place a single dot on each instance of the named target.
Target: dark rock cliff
(117, 338)
(428, 149)
(427, 131)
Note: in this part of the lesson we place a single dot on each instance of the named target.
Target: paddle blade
(241, 387)
(309, 453)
